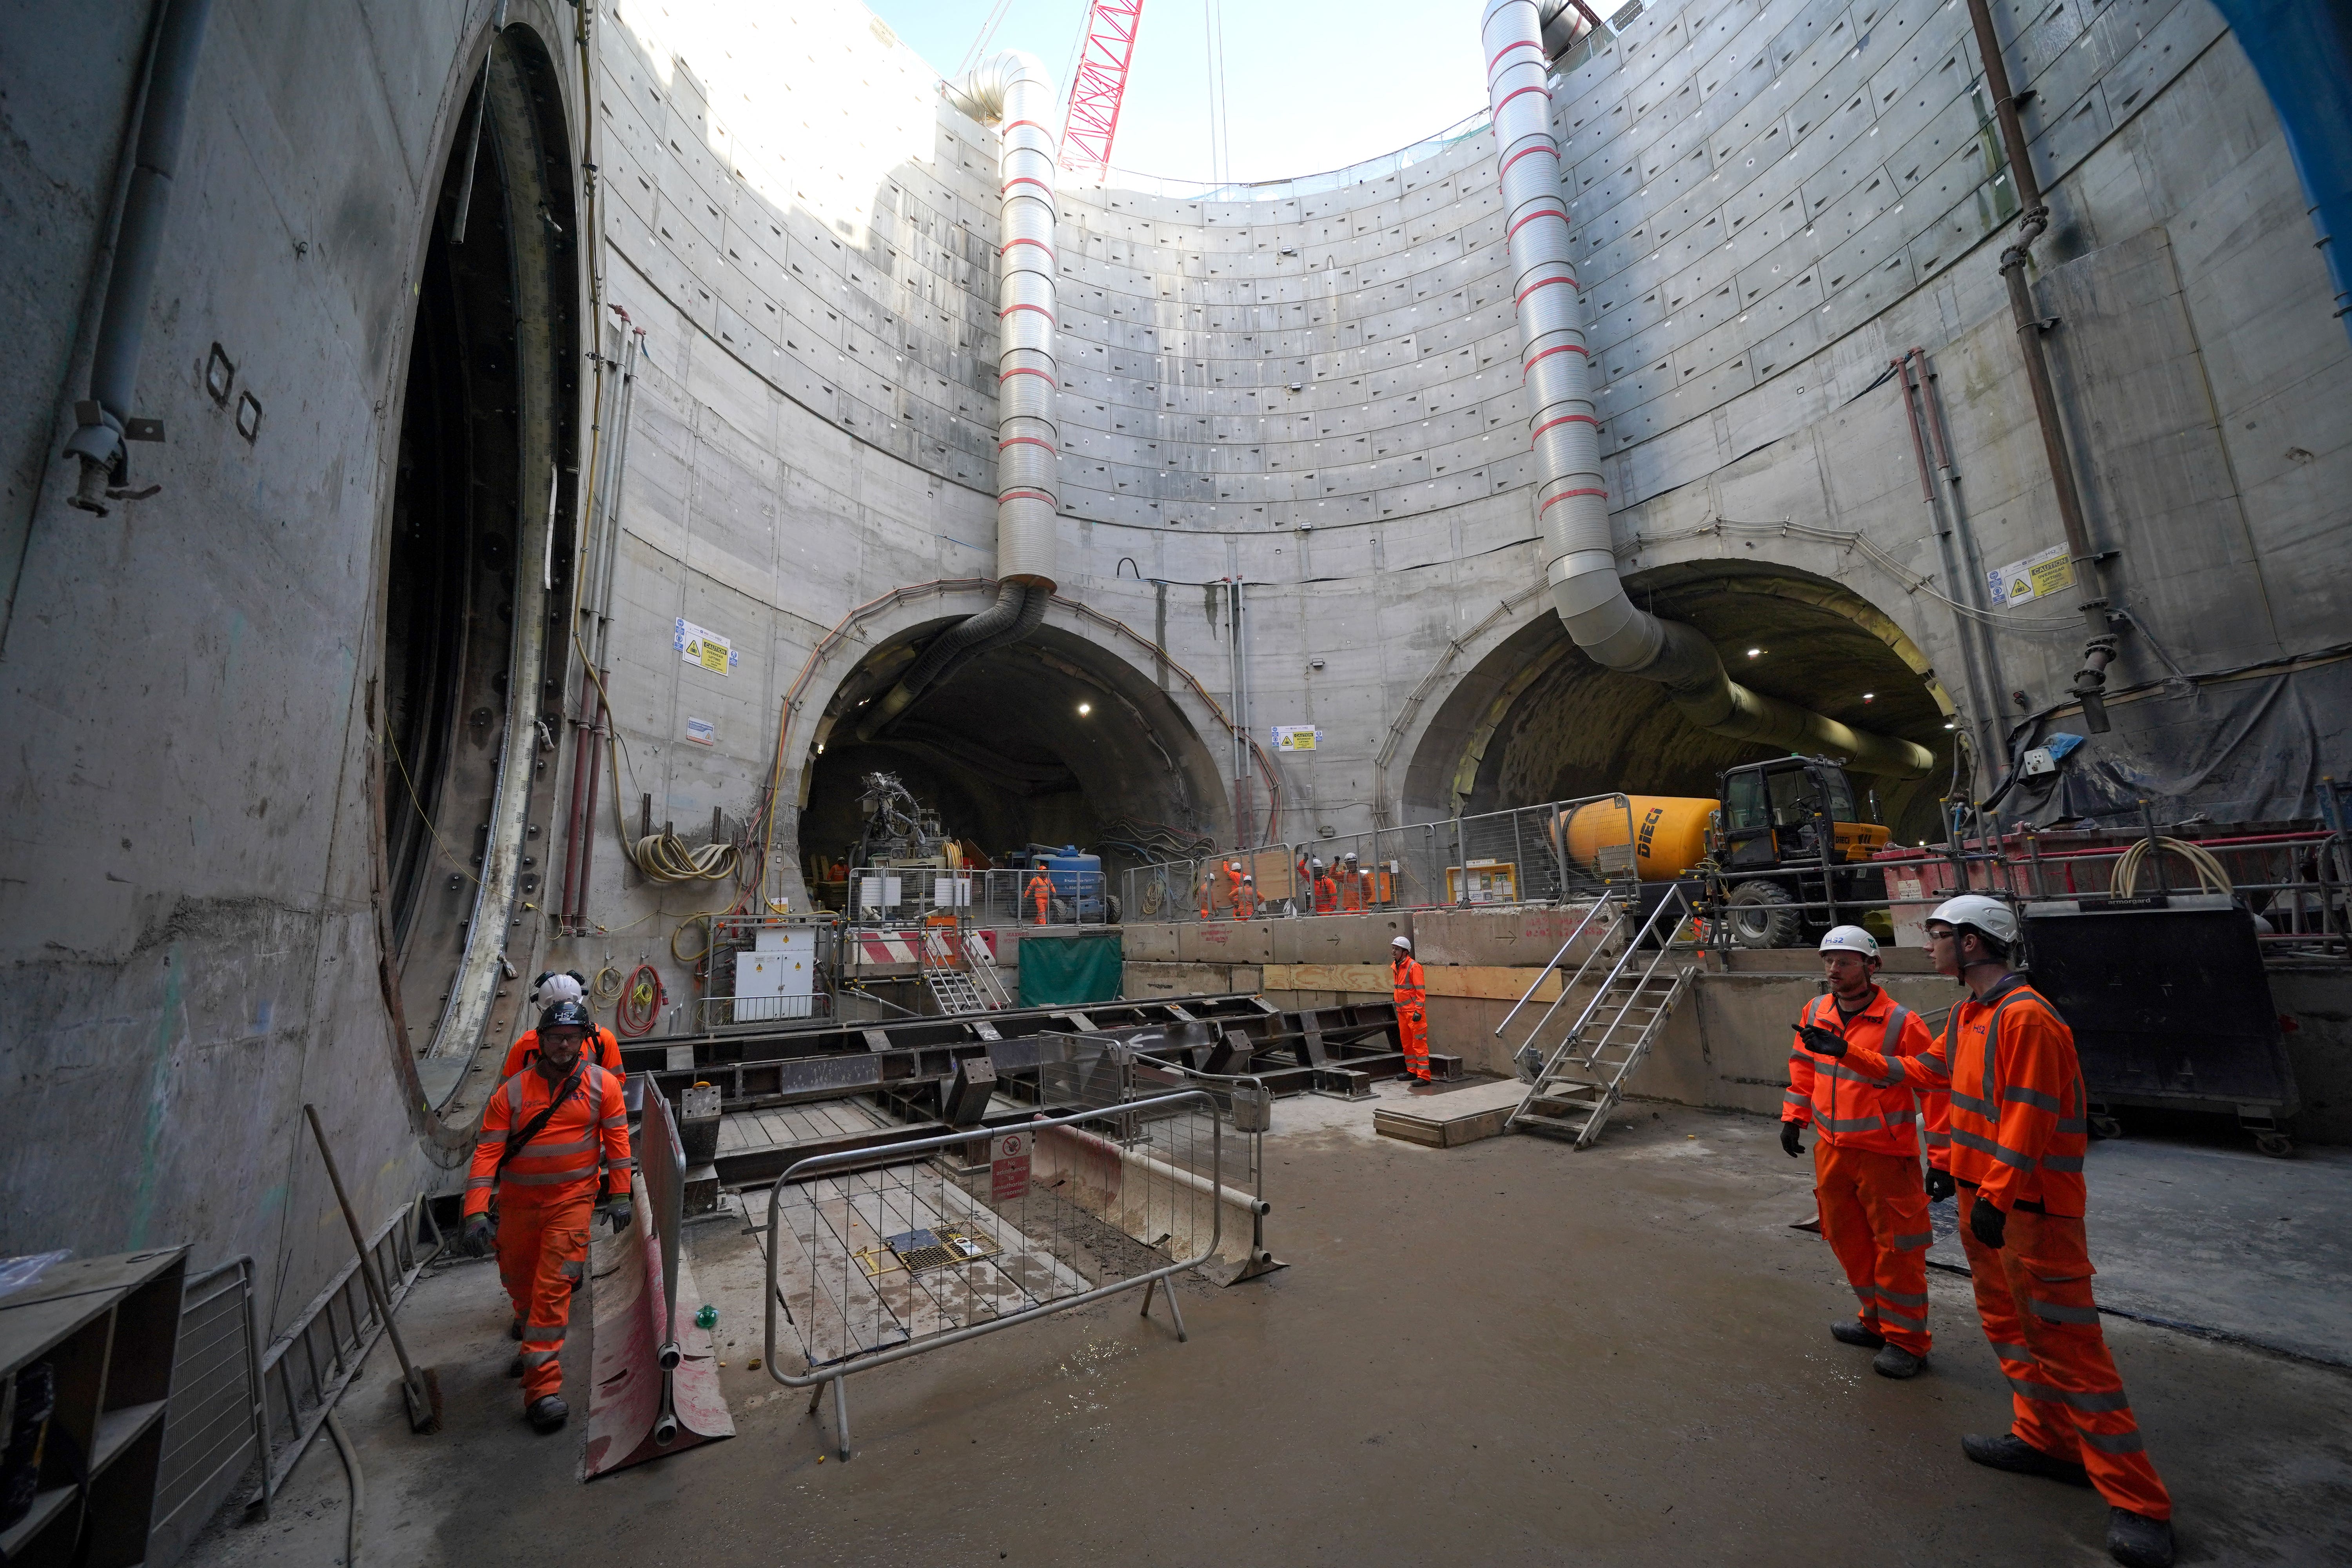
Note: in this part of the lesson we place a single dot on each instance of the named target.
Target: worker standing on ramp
(1041, 891)
(552, 1138)
(1859, 1058)
(2019, 1129)
(1412, 1007)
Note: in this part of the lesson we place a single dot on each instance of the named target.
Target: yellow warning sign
(2036, 577)
(698, 645)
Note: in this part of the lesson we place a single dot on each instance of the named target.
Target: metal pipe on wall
(1979, 718)
(1012, 88)
(2090, 574)
(1970, 590)
(105, 417)
(1571, 503)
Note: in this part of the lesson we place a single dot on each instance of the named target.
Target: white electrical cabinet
(775, 977)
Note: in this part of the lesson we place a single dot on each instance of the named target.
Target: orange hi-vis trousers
(2034, 1296)
(1875, 1217)
(543, 1253)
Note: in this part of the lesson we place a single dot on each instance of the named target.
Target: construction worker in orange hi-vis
(1246, 899)
(2019, 1129)
(1040, 891)
(1412, 1006)
(1327, 892)
(548, 989)
(553, 1138)
(1351, 885)
(1858, 1060)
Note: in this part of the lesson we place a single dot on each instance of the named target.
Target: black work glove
(622, 1213)
(477, 1237)
(1788, 1144)
(1818, 1037)
(1990, 1225)
(1940, 1185)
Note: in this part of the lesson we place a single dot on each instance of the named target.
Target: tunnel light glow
(1869, 696)
(1085, 709)
(1756, 653)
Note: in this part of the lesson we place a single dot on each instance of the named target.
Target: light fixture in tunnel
(1870, 696)
(819, 747)
(1085, 709)
(1756, 653)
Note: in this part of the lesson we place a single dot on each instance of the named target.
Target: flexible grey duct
(1571, 503)
(1013, 87)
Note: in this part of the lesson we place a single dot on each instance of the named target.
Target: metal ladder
(1573, 1092)
(986, 978)
(952, 988)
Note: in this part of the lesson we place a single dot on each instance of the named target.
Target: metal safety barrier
(217, 1422)
(964, 1234)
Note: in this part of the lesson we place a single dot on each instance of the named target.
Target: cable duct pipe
(1571, 503)
(1012, 88)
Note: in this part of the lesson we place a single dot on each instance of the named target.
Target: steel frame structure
(1098, 87)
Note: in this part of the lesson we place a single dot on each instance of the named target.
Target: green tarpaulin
(1058, 970)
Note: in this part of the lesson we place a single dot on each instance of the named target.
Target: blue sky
(1309, 84)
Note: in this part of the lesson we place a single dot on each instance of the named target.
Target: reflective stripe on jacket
(1865, 1100)
(587, 1140)
(2019, 1126)
(525, 1051)
(1411, 989)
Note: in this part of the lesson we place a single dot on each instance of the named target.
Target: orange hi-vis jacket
(1412, 988)
(525, 1051)
(586, 1139)
(1864, 1100)
(2018, 1118)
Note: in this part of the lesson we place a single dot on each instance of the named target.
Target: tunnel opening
(1049, 741)
(1538, 721)
(473, 559)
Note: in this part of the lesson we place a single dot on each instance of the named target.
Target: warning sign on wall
(1296, 737)
(699, 645)
(2035, 577)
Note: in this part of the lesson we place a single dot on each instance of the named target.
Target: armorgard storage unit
(2168, 1004)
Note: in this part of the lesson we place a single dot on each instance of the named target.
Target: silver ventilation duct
(1571, 503)
(1012, 88)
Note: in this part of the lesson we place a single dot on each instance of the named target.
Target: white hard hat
(1990, 916)
(554, 988)
(1850, 939)
(1403, 942)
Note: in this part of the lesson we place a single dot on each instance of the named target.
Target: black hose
(1018, 610)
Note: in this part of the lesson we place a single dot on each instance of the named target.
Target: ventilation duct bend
(1571, 504)
(1012, 88)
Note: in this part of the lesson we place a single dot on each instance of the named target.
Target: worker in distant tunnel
(1326, 890)
(1246, 899)
(1410, 990)
(1040, 891)
(546, 991)
(2020, 1126)
(1860, 1063)
(555, 1142)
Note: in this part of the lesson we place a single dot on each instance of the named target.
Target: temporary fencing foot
(1175, 1310)
(841, 1417)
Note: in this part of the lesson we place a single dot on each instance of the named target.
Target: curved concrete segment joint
(1570, 496)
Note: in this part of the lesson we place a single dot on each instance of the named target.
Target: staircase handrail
(1665, 945)
(1569, 985)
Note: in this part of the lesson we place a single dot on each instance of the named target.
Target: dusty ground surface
(1507, 1352)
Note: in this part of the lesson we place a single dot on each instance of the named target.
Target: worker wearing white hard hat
(1857, 1066)
(2019, 1125)
(1410, 990)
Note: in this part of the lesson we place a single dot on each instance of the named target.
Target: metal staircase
(974, 986)
(1575, 1090)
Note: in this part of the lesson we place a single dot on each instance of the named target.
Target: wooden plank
(1451, 1119)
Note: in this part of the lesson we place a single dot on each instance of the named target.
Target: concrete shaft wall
(1772, 199)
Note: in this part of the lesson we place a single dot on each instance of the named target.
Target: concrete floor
(1507, 1352)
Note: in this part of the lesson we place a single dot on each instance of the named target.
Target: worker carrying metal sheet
(1858, 1064)
(546, 991)
(2019, 1127)
(1040, 891)
(1411, 992)
(554, 1140)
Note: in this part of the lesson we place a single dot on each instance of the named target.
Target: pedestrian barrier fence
(217, 1422)
(962, 1234)
(902, 895)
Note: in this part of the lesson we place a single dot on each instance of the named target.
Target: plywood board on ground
(1450, 1119)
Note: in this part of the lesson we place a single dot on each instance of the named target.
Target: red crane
(1100, 85)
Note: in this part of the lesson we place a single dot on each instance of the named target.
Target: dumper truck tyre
(1110, 908)
(1058, 911)
(1759, 916)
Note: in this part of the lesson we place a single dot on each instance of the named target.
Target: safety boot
(2138, 1541)
(1854, 1331)
(1896, 1362)
(547, 1413)
(514, 1329)
(514, 1367)
(2010, 1452)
